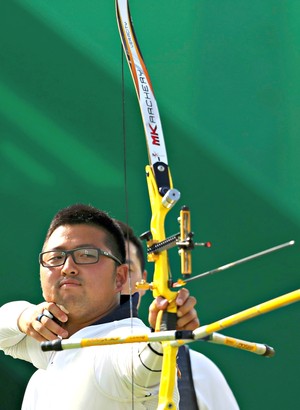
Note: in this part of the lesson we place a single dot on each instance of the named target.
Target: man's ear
(121, 277)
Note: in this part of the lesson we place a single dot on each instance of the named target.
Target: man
(82, 272)
(202, 385)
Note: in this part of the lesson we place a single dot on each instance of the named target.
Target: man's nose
(69, 267)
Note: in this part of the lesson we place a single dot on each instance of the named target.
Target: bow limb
(161, 193)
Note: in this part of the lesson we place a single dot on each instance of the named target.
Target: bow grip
(167, 319)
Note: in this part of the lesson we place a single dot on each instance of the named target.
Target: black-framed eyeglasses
(81, 256)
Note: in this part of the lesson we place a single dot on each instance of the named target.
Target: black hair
(89, 215)
(130, 236)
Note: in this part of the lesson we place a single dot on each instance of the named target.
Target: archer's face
(90, 290)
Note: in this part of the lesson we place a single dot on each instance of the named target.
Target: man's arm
(10, 334)
(14, 341)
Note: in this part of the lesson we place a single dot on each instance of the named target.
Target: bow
(162, 198)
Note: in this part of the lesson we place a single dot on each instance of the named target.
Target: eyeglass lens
(80, 256)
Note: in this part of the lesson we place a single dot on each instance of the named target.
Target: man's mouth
(69, 283)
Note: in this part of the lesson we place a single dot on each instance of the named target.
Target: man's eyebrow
(84, 245)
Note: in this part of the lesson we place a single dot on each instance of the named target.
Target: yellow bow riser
(160, 206)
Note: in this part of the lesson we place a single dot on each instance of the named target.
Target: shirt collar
(122, 311)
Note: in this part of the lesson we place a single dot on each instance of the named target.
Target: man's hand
(187, 318)
(36, 321)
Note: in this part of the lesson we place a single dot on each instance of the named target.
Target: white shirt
(211, 388)
(88, 378)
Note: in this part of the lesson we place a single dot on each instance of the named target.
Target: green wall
(226, 77)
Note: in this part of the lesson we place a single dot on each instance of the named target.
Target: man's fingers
(187, 306)
(161, 303)
(158, 304)
(58, 311)
(192, 325)
(186, 313)
(43, 322)
(49, 329)
(189, 321)
(182, 296)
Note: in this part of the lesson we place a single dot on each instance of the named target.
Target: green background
(226, 78)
